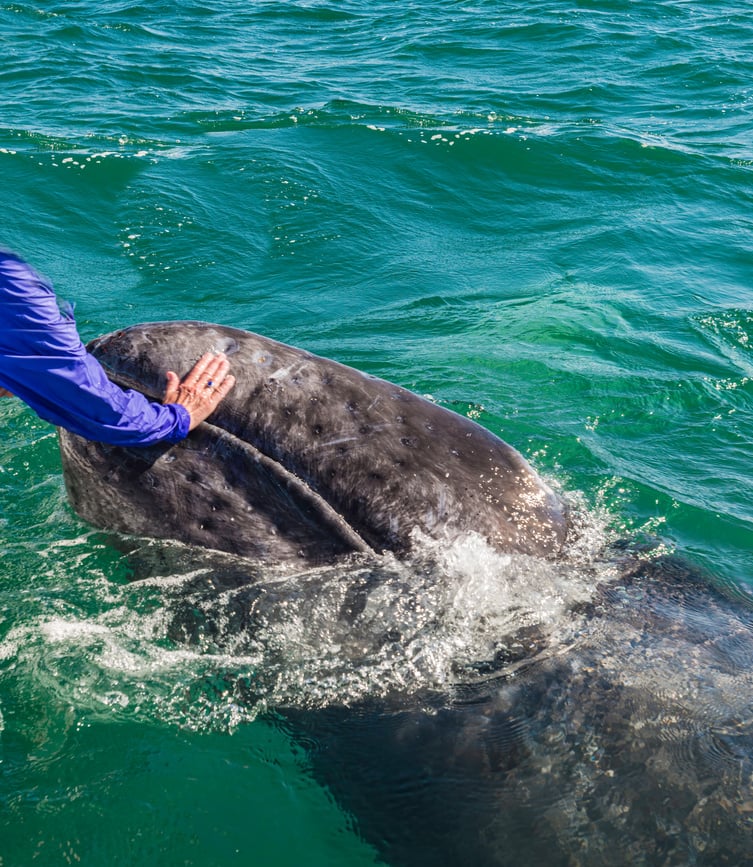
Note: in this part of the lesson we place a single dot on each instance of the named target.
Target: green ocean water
(539, 215)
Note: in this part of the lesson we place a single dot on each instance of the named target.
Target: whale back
(305, 460)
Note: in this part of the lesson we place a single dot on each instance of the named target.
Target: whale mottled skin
(305, 461)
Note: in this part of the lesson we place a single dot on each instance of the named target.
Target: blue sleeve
(45, 364)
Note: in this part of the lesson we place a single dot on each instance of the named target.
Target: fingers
(171, 389)
(203, 387)
(5, 393)
(203, 369)
(222, 389)
(215, 372)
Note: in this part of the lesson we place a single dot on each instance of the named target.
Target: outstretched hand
(202, 388)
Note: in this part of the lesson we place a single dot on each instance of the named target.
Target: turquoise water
(538, 215)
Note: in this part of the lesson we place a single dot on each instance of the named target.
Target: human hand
(5, 393)
(202, 388)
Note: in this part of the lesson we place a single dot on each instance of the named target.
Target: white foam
(171, 647)
(69, 630)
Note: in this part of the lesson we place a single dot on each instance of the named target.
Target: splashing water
(207, 641)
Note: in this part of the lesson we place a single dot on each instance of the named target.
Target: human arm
(44, 363)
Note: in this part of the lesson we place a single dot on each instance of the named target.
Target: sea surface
(537, 215)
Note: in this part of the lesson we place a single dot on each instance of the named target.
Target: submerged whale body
(620, 733)
(306, 460)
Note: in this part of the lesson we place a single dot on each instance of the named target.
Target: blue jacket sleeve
(44, 362)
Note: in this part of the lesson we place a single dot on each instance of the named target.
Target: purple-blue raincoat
(45, 364)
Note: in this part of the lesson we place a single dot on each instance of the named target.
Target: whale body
(306, 460)
(618, 732)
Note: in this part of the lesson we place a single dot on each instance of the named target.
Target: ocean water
(539, 215)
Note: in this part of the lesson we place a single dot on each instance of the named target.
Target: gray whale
(305, 461)
(620, 735)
